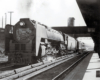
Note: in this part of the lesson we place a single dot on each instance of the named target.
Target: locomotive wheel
(62, 53)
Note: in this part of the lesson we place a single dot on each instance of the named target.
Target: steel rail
(67, 69)
(19, 72)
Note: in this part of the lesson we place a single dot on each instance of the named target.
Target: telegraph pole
(2, 21)
(10, 16)
(5, 18)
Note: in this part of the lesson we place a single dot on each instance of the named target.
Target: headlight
(22, 23)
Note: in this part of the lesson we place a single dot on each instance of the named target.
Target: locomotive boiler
(32, 42)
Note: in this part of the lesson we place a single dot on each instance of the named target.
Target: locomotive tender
(30, 42)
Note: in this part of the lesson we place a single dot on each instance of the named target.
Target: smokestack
(71, 22)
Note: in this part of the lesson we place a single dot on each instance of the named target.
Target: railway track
(68, 69)
(28, 71)
(5, 65)
(57, 72)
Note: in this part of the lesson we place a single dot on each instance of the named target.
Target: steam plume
(24, 7)
(50, 12)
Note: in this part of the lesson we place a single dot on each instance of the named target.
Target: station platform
(93, 69)
(87, 69)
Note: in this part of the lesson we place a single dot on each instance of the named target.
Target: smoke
(49, 12)
(24, 7)
(27, 8)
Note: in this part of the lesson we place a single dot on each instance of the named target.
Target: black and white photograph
(49, 40)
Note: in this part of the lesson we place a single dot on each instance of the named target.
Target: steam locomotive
(30, 42)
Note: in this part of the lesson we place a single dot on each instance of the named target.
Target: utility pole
(5, 18)
(2, 21)
(10, 16)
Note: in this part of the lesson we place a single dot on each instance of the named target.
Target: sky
(48, 12)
